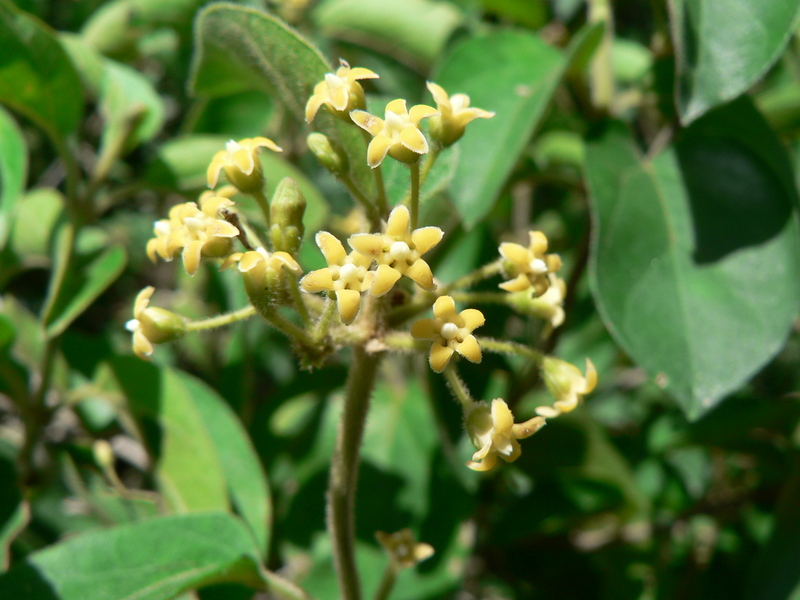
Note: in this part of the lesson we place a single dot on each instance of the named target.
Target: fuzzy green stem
(297, 298)
(478, 275)
(387, 583)
(428, 165)
(414, 200)
(380, 200)
(344, 471)
(481, 297)
(287, 327)
(325, 319)
(263, 204)
(403, 342)
(458, 387)
(221, 320)
(505, 347)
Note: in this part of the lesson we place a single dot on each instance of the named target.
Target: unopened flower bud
(103, 454)
(330, 156)
(152, 325)
(286, 214)
(566, 384)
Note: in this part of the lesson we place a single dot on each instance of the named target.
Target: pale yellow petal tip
(591, 376)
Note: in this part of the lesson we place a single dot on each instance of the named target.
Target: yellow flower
(529, 266)
(257, 266)
(240, 162)
(494, 433)
(347, 275)
(340, 92)
(550, 305)
(404, 551)
(197, 232)
(566, 384)
(450, 332)
(151, 325)
(398, 135)
(454, 115)
(398, 252)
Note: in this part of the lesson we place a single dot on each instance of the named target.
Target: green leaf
(90, 278)
(32, 232)
(36, 76)
(724, 46)
(239, 48)
(695, 264)
(13, 171)
(514, 74)
(247, 482)
(414, 30)
(181, 165)
(187, 465)
(154, 559)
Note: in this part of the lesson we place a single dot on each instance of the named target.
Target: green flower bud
(330, 156)
(286, 214)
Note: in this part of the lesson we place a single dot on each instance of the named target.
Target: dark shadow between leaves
(25, 582)
(736, 200)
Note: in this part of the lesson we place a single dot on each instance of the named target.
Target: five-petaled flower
(450, 332)
(347, 275)
(256, 267)
(152, 325)
(398, 252)
(197, 232)
(340, 92)
(404, 551)
(566, 384)
(494, 433)
(454, 114)
(398, 134)
(240, 162)
(529, 266)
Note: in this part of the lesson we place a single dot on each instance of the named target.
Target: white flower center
(132, 325)
(538, 266)
(232, 146)
(263, 252)
(394, 123)
(348, 272)
(400, 251)
(162, 227)
(334, 81)
(449, 331)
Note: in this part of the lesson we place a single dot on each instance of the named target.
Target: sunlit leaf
(13, 171)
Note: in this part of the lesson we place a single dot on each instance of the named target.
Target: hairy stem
(414, 200)
(221, 320)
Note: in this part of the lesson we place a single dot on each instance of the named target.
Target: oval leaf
(13, 171)
(695, 264)
(155, 559)
(724, 46)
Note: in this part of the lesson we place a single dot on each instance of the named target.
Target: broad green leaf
(13, 171)
(181, 164)
(85, 282)
(36, 76)
(724, 46)
(247, 482)
(34, 226)
(238, 48)
(695, 264)
(187, 464)
(153, 559)
(514, 74)
(416, 30)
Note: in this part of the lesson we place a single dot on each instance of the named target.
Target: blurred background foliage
(655, 143)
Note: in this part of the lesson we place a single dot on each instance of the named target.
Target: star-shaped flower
(566, 384)
(347, 275)
(240, 162)
(256, 267)
(197, 232)
(450, 332)
(398, 252)
(529, 266)
(398, 134)
(404, 551)
(550, 305)
(340, 92)
(151, 325)
(454, 114)
(494, 433)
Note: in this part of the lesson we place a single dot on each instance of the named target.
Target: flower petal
(332, 249)
(538, 242)
(261, 142)
(421, 111)
(249, 261)
(397, 107)
(591, 377)
(385, 278)
(470, 349)
(548, 412)
(317, 281)
(473, 318)
(244, 160)
(348, 302)
(366, 121)
(425, 329)
(191, 257)
(519, 284)
(399, 218)
(487, 464)
(515, 253)
(527, 428)
(141, 345)
(413, 139)
(361, 73)
(502, 418)
(420, 273)
(440, 356)
(284, 260)
(444, 308)
(368, 244)
(377, 149)
(313, 105)
(142, 300)
(439, 95)
(426, 238)
(214, 168)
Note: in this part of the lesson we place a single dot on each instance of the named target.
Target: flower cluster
(529, 266)
(193, 232)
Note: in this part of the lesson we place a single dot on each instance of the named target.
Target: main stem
(344, 471)
(414, 195)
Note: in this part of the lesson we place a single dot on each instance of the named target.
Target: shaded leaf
(239, 48)
(153, 559)
(514, 74)
(724, 46)
(247, 482)
(36, 76)
(695, 264)
(13, 171)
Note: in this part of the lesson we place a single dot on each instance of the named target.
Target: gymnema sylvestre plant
(370, 301)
